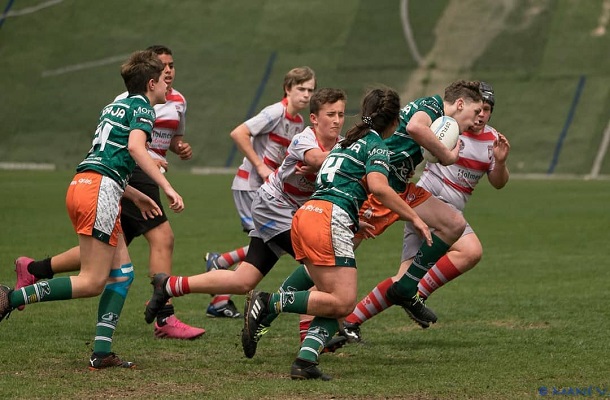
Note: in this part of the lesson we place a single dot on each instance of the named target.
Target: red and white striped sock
(220, 300)
(442, 272)
(304, 324)
(372, 304)
(230, 258)
(177, 286)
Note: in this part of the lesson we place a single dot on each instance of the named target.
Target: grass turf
(531, 315)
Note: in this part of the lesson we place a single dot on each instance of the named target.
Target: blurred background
(547, 61)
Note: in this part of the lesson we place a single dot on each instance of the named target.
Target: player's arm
(137, 149)
(379, 187)
(419, 129)
(498, 176)
(242, 138)
(314, 159)
(181, 148)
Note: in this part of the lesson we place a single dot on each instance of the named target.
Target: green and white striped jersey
(340, 179)
(406, 153)
(109, 154)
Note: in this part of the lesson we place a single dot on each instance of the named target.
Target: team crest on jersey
(490, 151)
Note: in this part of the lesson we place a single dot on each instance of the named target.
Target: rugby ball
(447, 130)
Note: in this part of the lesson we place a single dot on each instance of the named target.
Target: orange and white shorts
(94, 206)
(381, 217)
(323, 233)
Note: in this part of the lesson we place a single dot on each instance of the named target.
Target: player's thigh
(439, 215)
(161, 237)
(341, 282)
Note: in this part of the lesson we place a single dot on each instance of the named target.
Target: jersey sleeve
(302, 143)
(266, 120)
(143, 118)
(379, 159)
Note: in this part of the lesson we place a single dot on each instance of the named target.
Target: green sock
(110, 307)
(318, 334)
(426, 257)
(51, 290)
(108, 312)
(297, 281)
(292, 302)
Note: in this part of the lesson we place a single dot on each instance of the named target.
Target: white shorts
(243, 204)
(271, 215)
(411, 241)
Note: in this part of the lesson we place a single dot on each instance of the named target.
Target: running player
(263, 140)
(323, 229)
(93, 202)
(483, 151)
(272, 210)
(167, 135)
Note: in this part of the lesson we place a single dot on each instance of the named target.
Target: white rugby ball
(447, 130)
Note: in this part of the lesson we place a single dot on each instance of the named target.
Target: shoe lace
(176, 323)
(260, 331)
(419, 301)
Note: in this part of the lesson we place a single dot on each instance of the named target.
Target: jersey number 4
(329, 168)
(101, 135)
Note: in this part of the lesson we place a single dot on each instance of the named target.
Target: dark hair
(380, 108)
(325, 96)
(160, 49)
(465, 89)
(139, 69)
(296, 76)
(487, 91)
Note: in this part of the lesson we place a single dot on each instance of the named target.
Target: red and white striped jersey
(285, 182)
(272, 130)
(169, 122)
(455, 183)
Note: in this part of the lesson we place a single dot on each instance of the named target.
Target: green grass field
(532, 314)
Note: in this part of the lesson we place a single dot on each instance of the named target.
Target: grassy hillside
(535, 57)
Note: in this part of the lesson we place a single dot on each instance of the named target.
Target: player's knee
(243, 286)
(345, 308)
(93, 288)
(476, 255)
(162, 240)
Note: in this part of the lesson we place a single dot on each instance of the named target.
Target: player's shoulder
(276, 110)
(489, 132)
(176, 96)
(306, 133)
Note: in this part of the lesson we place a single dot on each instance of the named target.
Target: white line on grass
(85, 65)
(20, 166)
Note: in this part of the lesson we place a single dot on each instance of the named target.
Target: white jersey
(170, 122)
(455, 183)
(272, 130)
(284, 182)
